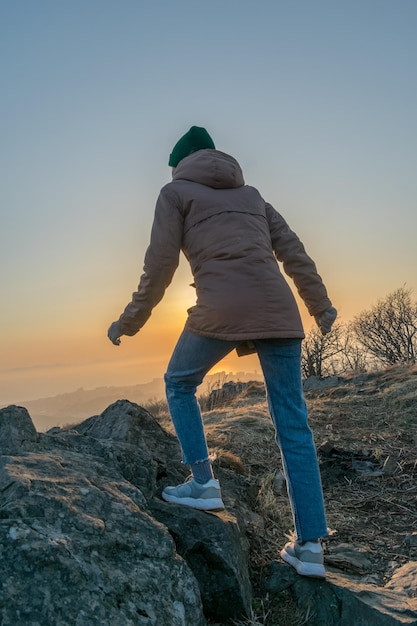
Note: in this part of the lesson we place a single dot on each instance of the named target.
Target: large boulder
(345, 600)
(216, 551)
(86, 539)
(17, 431)
(78, 547)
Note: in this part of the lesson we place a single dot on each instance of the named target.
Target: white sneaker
(306, 558)
(206, 497)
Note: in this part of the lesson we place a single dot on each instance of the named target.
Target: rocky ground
(367, 433)
(365, 428)
(86, 539)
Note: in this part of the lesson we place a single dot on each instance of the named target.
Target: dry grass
(365, 429)
(373, 421)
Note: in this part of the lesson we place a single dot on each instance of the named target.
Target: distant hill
(70, 408)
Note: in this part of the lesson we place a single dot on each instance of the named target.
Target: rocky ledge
(86, 540)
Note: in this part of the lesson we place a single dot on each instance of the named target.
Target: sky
(315, 98)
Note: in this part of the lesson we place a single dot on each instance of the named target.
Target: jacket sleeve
(297, 264)
(161, 261)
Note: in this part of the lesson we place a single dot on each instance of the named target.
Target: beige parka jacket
(232, 239)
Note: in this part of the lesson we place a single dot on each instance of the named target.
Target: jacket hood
(211, 168)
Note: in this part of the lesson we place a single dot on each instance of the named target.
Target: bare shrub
(388, 331)
(352, 356)
(320, 351)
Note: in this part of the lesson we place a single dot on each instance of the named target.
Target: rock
(411, 540)
(80, 537)
(216, 552)
(231, 390)
(337, 462)
(215, 546)
(349, 558)
(76, 548)
(223, 395)
(279, 484)
(17, 431)
(343, 600)
(77, 545)
(124, 421)
(137, 443)
(404, 580)
(327, 448)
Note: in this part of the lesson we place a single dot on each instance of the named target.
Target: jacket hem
(282, 334)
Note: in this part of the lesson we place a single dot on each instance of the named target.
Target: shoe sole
(312, 570)
(208, 504)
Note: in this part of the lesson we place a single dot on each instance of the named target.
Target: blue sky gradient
(316, 100)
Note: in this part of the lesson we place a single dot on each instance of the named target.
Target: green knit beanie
(197, 138)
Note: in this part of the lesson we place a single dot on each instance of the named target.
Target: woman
(233, 239)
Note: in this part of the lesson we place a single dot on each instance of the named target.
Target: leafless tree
(333, 354)
(319, 351)
(352, 356)
(388, 331)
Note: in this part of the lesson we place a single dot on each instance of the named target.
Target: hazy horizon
(221, 374)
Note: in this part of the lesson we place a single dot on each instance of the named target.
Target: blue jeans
(280, 360)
